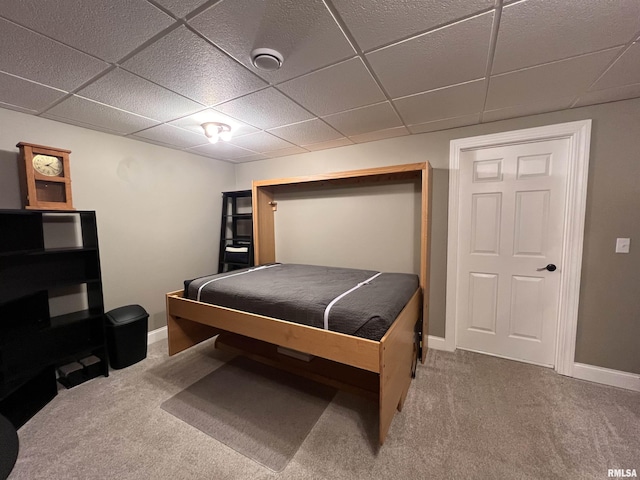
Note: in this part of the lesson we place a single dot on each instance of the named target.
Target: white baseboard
(439, 343)
(606, 376)
(156, 335)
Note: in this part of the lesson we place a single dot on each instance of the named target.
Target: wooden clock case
(43, 192)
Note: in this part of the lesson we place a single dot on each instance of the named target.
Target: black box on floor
(71, 374)
(74, 373)
(126, 329)
(92, 366)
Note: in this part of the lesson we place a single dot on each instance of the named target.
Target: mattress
(362, 303)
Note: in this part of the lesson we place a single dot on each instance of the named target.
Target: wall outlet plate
(622, 245)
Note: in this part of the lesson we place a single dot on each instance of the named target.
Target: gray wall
(339, 223)
(158, 209)
(609, 314)
(152, 201)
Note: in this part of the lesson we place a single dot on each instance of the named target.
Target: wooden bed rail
(211, 319)
(398, 350)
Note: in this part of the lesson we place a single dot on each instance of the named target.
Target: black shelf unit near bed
(236, 231)
(45, 257)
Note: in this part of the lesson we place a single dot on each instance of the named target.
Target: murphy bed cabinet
(51, 306)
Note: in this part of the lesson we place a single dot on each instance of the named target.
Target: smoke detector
(266, 59)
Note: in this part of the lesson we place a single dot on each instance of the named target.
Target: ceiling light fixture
(215, 131)
(266, 59)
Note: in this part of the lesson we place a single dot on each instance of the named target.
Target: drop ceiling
(354, 70)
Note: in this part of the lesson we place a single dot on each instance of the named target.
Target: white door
(511, 202)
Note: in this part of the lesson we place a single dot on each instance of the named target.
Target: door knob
(551, 267)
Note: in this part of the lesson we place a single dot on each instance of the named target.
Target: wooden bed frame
(379, 370)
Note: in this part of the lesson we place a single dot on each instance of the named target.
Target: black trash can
(126, 331)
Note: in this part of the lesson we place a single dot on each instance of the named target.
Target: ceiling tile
(180, 8)
(9, 106)
(541, 106)
(305, 133)
(380, 135)
(171, 135)
(625, 71)
(378, 22)
(210, 155)
(92, 26)
(285, 152)
(207, 154)
(540, 31)
(265, 109)
(129, 92)
(34, 57)
(260, 142)
(304, 33)
(335, 89)
(221, 150)
(340, 142)
(365, 119)
(547, 82)
(187, 64)
(194, 122)
(154, 142)
(445, 124)
(609, 95)
(430, 57)
(251, 158)
(97, 116)
(450, 55)
(448, 102)
(25, 94)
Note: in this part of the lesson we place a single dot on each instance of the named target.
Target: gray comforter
(301, 293)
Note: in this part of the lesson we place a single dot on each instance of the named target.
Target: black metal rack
(32, 341)
(236, 231)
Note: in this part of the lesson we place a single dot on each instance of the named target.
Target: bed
(378, 365)
(362, 303)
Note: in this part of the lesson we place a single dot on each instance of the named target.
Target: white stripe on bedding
(233, 275)
(335, 300)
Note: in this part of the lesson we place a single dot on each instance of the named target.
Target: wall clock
(45, 177)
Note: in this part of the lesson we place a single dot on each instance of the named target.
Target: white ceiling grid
(354, 71)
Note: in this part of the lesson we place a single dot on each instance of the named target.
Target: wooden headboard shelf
(352, 177)
(265, 200)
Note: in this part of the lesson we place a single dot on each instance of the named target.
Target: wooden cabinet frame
(380, 370)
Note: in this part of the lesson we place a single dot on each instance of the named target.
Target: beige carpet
(259, 411)
(467, 416)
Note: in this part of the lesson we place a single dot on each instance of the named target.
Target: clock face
(47, 165)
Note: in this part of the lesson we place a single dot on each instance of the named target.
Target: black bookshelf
(236, 231)
(32, 270)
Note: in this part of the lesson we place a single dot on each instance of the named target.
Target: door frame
(579, 136)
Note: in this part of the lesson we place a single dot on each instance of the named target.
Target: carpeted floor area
(258, 410)
(466, 416)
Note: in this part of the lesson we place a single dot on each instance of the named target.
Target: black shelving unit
(236, 231)
(32, 270)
